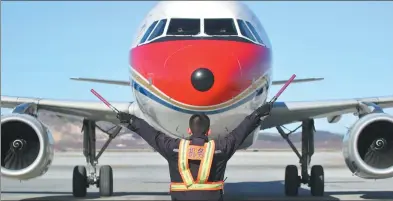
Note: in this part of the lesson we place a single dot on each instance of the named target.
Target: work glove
(263, 110)
(124, 117)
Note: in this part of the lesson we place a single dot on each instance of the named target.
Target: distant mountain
(67, 135)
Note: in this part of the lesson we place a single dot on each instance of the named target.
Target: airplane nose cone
(202, 79)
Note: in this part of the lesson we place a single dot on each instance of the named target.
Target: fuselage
(200, 56)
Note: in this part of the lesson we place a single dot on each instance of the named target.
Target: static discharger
(274, 99)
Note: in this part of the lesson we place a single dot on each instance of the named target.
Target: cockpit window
(254, 31)
(159, 30)
(245, 31)
(184, 27)
(223, 27)
(148, 31)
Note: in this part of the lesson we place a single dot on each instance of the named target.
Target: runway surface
(251, 176)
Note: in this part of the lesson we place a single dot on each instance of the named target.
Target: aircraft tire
(291, 180)
(106, 181)
(317, 180)
(79, 181)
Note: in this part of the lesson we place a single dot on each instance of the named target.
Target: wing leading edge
(290, 112)
(127, 83)
(282, 112)
(93, 110)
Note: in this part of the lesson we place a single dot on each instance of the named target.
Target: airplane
(192, 57)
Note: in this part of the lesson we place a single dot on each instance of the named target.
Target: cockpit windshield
(221, 27)
(231, 29)
(254, 32)
(184, 27)
(245, 31)
(249, 31)
(159, 30)
(148, 32)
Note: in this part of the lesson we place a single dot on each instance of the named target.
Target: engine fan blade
(20, 154)
(379, 154)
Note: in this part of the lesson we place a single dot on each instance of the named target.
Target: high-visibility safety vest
(205, 155)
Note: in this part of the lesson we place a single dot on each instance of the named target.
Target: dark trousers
(197, 195)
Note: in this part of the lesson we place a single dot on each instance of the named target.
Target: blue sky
(43, 44)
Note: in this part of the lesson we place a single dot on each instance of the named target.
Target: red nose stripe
(170, 64)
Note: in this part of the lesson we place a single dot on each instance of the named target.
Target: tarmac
(250, 176)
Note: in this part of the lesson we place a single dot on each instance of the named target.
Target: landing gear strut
(83, 178)
(315, 180)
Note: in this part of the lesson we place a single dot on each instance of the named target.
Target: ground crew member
(196, 165)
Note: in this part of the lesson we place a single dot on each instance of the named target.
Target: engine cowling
(26, 147)
(368, 147)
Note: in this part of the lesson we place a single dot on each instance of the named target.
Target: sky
(350, 44)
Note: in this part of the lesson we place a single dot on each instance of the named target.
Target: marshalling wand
(274, 99)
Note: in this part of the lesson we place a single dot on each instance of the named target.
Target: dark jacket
(168, 146)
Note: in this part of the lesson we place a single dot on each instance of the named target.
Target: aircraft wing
(290, 112)
(93, 110)
(282, 112)
(103, 81)
(280, 82)
(127, 83)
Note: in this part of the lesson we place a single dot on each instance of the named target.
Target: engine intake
(368, 147)
(26, 147)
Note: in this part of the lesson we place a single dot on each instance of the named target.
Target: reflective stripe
(213, 186)
(206, 163)
(183, 163)
(215, 152)
(203, 173)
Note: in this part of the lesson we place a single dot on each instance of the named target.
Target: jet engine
(368, 147)
(26, 147)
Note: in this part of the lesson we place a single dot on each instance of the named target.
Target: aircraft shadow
(270, 190)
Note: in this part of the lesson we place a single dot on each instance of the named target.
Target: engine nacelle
(368, 147)
(26, 147)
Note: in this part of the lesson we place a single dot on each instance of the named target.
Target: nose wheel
(316, 179)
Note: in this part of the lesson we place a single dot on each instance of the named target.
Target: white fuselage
(161, 66)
